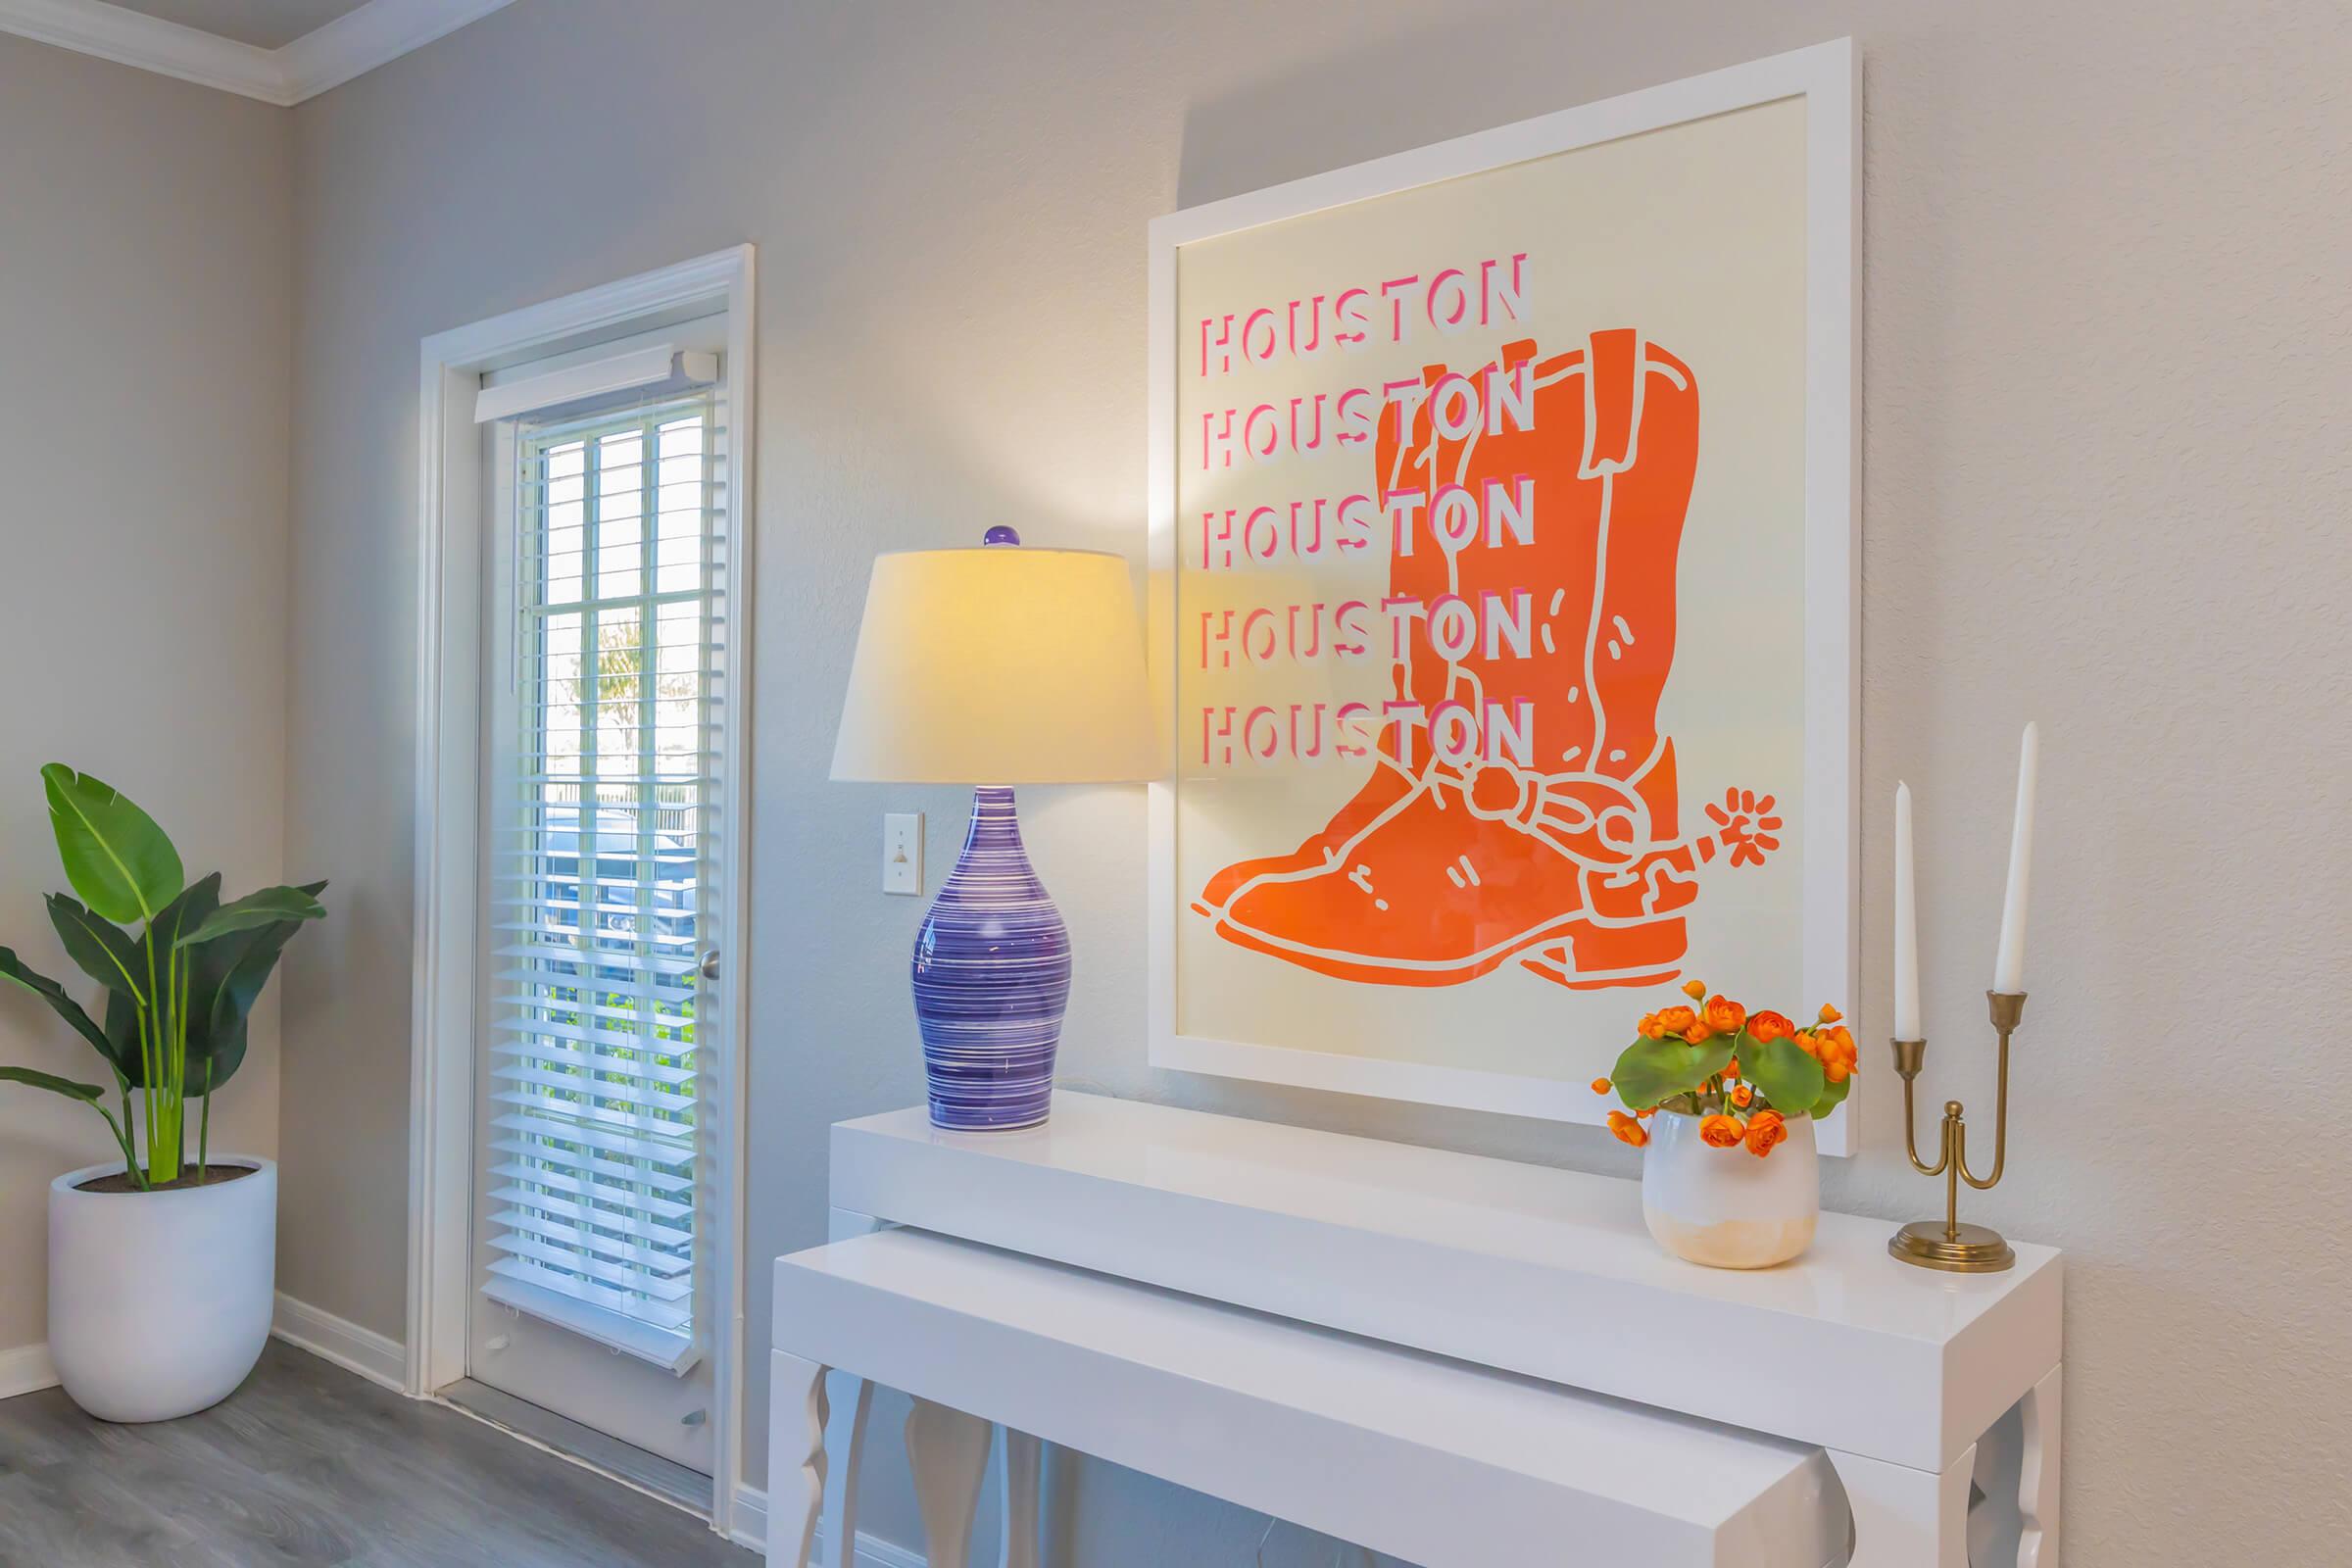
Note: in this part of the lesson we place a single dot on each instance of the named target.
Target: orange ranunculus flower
(1673, 1021)
(1830, 1014)
(1838, 1054)
(1807, 1042)
(1730, 1068)
(1626, 1129)
(1765, 1129)
(1694, 989)
(1724, 1016)
(1767, 1026)
(1600, 1086)
(1699, 1034)
(1722, 1132)
(1742, 1095)
(1650, 1028)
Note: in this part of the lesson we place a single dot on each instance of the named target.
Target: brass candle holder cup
(1948, 1243)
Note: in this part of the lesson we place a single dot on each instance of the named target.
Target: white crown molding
(358, 41)
(130, 38)
(351, 45)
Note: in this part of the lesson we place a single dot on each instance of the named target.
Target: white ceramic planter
(159, 1302)
(1726, 1208)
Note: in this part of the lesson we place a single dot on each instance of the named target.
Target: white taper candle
(2009, 965)
(1906, 923)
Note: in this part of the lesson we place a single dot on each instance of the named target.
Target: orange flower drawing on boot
(1745, 823)
(1520, 804)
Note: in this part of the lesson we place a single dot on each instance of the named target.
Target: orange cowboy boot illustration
(1565, 854)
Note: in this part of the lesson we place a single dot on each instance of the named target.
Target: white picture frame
(1826, 76)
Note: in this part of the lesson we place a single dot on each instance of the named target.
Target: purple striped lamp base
(991, 978)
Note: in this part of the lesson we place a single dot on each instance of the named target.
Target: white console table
(1888, 1374)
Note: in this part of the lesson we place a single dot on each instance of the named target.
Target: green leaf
(122, 1038)
(1784, 1075)
(89, 1094)
(269, 907)
(13, 969)
(1832, 1096)
(105, 953)
(225, 976)
(118, 860)
(229, 976)
(191, 909)
(1652, 1069)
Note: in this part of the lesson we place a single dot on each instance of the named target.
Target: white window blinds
(602, 892)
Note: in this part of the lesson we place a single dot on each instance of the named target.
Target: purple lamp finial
(1000, 535)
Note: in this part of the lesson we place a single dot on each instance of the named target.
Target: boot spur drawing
(1572, 860)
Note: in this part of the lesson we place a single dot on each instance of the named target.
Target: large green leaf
(269, 907)
(11, 968)
(231, 972)
(225, 976)
(105, 953)
(122, 1038)
(1779, 1068)
(194, 906)
(118, 860)
(89, 1094)
(1652, 1069)
(1832, 1096)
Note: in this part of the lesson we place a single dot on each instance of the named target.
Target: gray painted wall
(144, 355)
(2105, 349)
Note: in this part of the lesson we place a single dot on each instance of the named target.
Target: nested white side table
(1893, 1373)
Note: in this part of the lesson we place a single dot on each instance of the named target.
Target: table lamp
(994, 666)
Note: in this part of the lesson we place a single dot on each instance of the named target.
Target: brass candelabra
(1948, 1243)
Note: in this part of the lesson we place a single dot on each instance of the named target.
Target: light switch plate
(902, 851)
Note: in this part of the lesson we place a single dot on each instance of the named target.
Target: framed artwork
(1502, 502)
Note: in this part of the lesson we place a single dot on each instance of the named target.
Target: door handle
(710, 965)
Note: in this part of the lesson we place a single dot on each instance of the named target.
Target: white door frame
(449, 619)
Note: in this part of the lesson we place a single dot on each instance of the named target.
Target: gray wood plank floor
(310, 1466)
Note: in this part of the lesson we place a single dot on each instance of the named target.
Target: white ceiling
(264, 23)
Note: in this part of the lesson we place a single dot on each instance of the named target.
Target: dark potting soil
(120, 1181)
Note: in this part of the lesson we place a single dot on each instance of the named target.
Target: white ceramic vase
(1727, 1207)
(160, 1303)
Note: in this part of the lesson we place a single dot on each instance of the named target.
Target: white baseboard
(748, 1527)
(357, 1349)
(370, 1354)
(27, 1369)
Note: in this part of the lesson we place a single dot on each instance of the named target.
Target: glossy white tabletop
(1577, 1224)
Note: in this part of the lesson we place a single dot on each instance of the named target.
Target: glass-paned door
(602, 830)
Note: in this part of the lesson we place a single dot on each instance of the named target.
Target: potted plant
(162, 1271)
(1721, 1102)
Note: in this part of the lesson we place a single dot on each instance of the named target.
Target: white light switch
(902, 851)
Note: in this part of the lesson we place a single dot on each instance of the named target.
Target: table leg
(2037, 1477)
(1906, 1518)
(796, 1457)
(1023, 1480)
(948, 1452)
(845, 1452)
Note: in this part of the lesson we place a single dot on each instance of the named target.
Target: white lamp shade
(997, 666)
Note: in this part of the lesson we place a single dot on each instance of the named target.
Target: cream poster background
(1695, 237)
